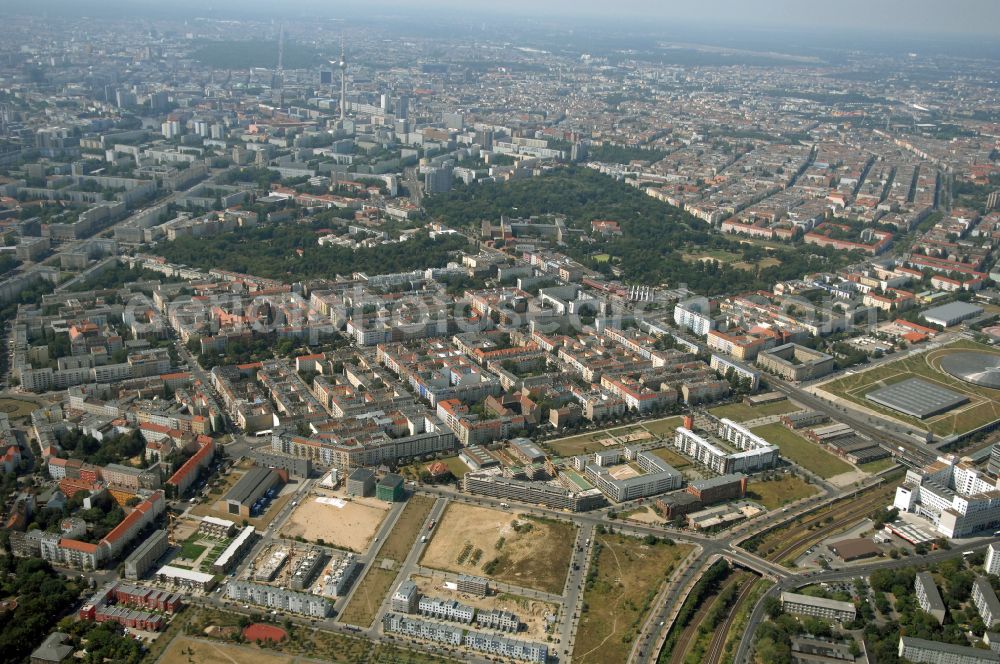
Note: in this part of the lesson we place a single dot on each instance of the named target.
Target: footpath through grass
(625, 575)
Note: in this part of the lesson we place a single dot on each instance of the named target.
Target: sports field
(983, 406)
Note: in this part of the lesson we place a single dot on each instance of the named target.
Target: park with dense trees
(657, 239)
(272, 251)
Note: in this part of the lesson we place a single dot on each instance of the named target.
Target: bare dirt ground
(351, 526)
(531, 612)
(624, 472)
(847, 479)
(184, 528)
(646, 515)
(531, 553)
(183, 650)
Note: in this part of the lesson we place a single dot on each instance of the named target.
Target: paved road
(668, 603)
(583, 550)
(915, 453)
(368, 558)
(409, 566)
(744, 649)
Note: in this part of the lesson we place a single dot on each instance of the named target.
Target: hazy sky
(954, 16)
(974, 17)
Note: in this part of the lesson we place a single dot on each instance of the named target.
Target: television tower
(343, 79)
(281, 66)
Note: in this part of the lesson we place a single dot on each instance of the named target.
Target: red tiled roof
(77, 545)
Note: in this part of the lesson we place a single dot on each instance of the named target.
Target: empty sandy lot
(183, 650)
(526, 552)
(350, 526)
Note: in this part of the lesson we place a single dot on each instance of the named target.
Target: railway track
(690, 632)
(842, 516)
(714, 654)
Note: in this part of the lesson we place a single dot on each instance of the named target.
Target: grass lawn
(740, 412)
(762, 264)
(671, 457)
(714, 254)
(799, 450)
(368, 597)
(623, 580)
(775, 493)
(15, 408)
(984, 406)
(456, 466)
(664, 427)
(579, 444)
(400, 540)
(591, 440)
(807, 529)
(191, 551)
(878, 465)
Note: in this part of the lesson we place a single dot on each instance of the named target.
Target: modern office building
(928, 596)
(817, 607)
(958, 499)
(361, 482)
(525, 491)
(390, 488)
(657, 477)
(717, 489)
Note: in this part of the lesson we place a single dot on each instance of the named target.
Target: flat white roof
(223, 559)
(226, 523)
(186, 574)
(809, 600)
